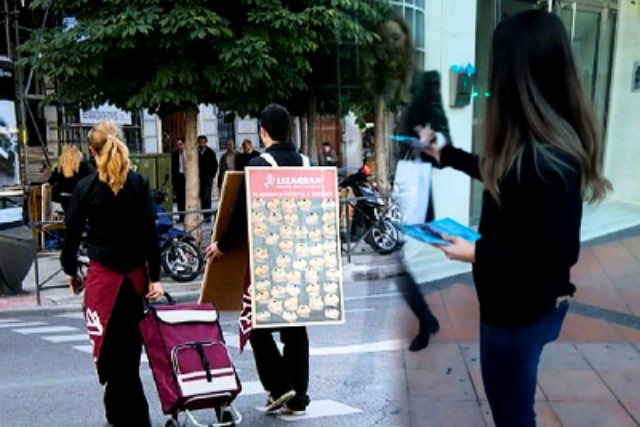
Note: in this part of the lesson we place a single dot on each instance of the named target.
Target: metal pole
(22, 130)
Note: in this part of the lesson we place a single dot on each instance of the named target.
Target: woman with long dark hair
(117, 206)
(541, 159)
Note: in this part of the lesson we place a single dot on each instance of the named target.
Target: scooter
(180, 256)
(372, 218)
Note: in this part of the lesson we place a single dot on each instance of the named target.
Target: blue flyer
(432, 232)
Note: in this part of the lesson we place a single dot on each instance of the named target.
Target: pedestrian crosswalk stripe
(372, 347)
(323, 408)
(46, 330)
(252, 387)
(66, 338)
(8, 321)
(20, 324)
(88, 348)
(74, 315)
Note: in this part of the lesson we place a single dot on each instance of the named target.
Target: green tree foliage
(168, 55)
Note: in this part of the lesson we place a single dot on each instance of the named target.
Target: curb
(53, 309)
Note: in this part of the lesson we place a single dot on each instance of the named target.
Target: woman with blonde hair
(117, 206)
(71, 168)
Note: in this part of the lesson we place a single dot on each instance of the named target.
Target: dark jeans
(280, 373)
(509, 359)
(119, 363)
(206, 185)
(180, 188)
(415, 300)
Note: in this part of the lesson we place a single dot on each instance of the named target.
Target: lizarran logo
(269, 181)
(292, 181)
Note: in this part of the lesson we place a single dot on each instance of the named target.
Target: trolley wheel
(172, 423)
(224, 415)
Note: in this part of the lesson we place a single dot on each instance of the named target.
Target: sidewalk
(589, 377)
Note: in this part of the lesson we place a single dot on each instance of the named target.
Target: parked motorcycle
(180, 256)
(372, 218)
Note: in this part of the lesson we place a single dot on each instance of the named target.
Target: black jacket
(284, 154)
(425, 108)
(121, 228)
(177, 178)
(207, 164)
(62, 187)
(242, 159)
(529, 241)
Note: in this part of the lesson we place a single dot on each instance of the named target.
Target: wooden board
(223, 279)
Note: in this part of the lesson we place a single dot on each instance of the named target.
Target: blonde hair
(69, 161)
(113, 156)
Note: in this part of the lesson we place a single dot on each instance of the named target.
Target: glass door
(591, 26)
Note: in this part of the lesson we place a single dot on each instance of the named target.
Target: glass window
(419, 30)
(420, 4)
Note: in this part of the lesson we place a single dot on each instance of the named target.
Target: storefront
(606, 39)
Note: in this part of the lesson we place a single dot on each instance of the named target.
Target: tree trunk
(381, 145)
(192, 174)
(304, 135)
(311, 134)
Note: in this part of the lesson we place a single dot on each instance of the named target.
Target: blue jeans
(509, 359)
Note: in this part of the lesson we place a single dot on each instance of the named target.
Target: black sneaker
(273, 404)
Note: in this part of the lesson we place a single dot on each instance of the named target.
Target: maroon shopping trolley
(190, 363)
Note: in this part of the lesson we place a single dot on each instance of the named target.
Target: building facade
(606, 39)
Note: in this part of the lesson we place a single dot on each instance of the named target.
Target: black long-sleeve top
(66, 185)
(529, 241)
(285, 155)
(121, 228)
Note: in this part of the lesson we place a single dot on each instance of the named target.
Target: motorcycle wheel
(384, 237)
(181, 260)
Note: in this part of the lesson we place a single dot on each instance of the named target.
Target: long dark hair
(537, 99)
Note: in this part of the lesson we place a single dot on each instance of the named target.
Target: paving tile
(609, 299)
(631, 298)
(572, 385)
(579, 328)
(440, 414)
(445, 356)
(440, 384)
(466, 330)
(610, 355)
(592, 414)
(619, 264)
(633, 246)
(624, 383)
(476, 377)
(633, 407)
(588, 273)
(471, 353)
(545, 416)
(562, 355)
(629, 334)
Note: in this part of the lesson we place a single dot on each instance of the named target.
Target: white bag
(411, 190)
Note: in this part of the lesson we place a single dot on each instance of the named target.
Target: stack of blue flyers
(432, 232)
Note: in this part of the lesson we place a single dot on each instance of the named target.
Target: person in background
(227, 161)
(117, 205)
(542, 156)
(329, 156)
(71, 168)
(285, 376)
(178, 178)
(425, 107)
(207, 167)
(247, 154)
